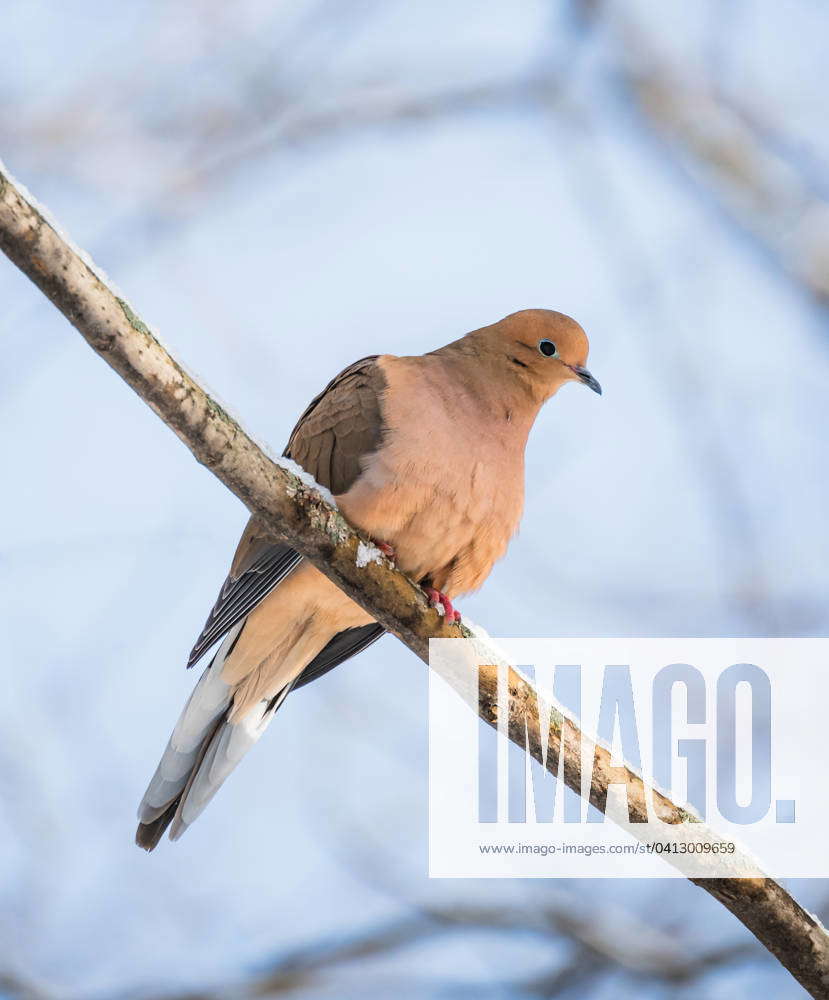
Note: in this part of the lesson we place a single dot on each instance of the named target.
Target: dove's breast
(446, 487)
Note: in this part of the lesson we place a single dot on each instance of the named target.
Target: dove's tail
(202, 751)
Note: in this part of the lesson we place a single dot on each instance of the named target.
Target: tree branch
(725, 148)
(298, 514)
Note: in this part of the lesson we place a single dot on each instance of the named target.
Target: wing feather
(342, 647)
(240, 595)
(339, 428)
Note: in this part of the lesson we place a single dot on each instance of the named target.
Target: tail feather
(148, 834)
(227, 746)
(203, 750)
(205, 708)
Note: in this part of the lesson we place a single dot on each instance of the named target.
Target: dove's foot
(437, 599)
(386, 549)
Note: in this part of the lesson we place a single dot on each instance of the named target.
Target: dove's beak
(584, 376)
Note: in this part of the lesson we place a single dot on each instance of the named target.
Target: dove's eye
(547, 348)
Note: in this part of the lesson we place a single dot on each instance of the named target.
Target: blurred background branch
(729, 149)
(597, 950)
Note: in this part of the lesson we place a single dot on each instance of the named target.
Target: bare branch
(595, 954)
(725, 147)
(297, 514)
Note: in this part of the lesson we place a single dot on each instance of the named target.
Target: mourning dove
(424, 454)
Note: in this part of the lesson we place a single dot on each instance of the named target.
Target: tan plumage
(424, 453)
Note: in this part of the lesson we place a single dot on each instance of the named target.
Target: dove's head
(535, 350)
(543, 348)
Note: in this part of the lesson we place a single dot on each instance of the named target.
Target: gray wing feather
(342, 647)
(240, 595)
(338, 429)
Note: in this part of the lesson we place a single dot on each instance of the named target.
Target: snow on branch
(294, 511)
